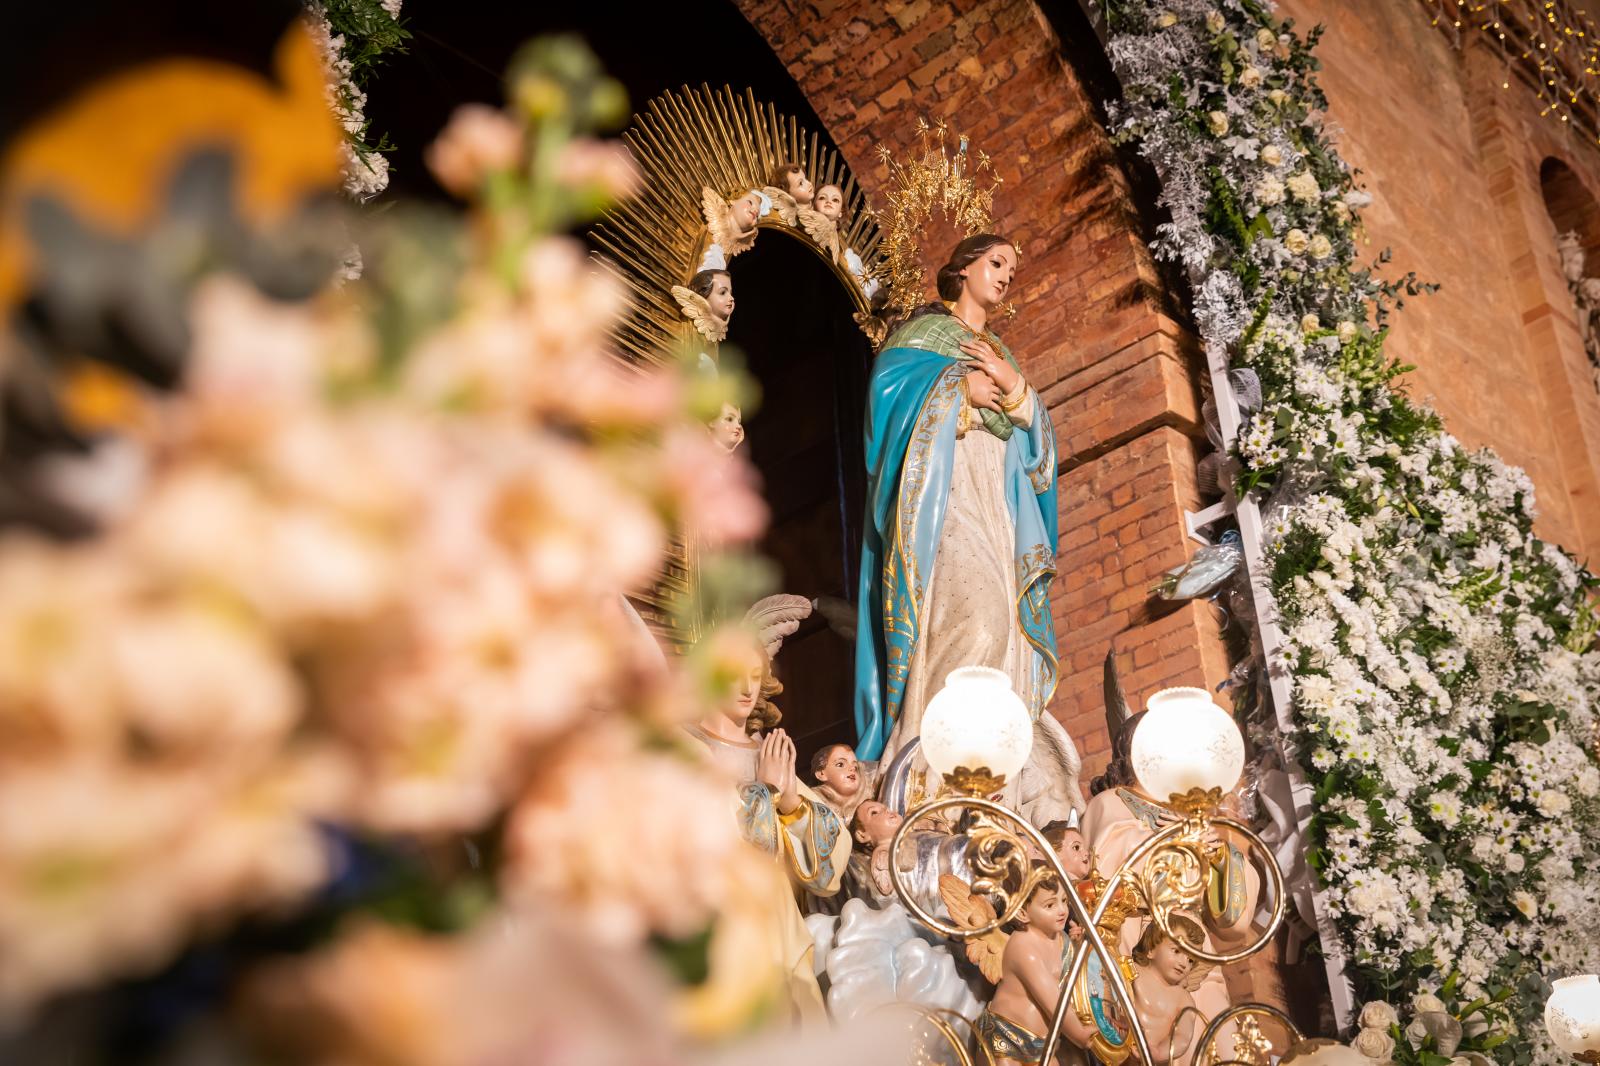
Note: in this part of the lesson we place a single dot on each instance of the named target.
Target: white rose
(1588, 781)
(1310, 324)
(1379, 1015)
(1375, 1044)
(1265, 38)
(1166, 20)
(1296, 241)
(1272, 155)
(1217, 122)
(1525, 903)
(1553, 802)
(1427, 1003)
(1278, 97)
(1251, 77)
(1341, 213)
(1214, 21)
(1303, 187)
(1347, 332)
(1269, 191)
(1515, 862)
(1320, 247)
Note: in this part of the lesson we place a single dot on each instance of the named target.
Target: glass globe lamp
(1572, 1015)
(976, 731)
(1187, 750)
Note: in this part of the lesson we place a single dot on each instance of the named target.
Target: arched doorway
(1576, 218)
(795, 330)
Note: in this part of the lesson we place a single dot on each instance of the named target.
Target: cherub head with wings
(707, 301)
(732, 222)
(1044, 909)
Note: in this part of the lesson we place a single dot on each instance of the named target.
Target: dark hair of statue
(1048, 883)
(1181, 924)
(701, 283)
(820, 759)
(781, 172)
(968, 251)
(1120, 770)
(1056, 832)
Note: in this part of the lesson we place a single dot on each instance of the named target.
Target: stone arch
(1572, 207)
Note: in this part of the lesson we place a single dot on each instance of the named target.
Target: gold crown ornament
(934, 190)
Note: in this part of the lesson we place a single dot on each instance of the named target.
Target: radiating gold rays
(690, 138)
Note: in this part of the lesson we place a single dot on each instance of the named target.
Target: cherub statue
(732, 223)
(727, 429)
(791, 180)
(707, 301)
(1165, 977)
(873, 828)
(824, 220)
(776, 812)
(1027, 972)
(840, 779)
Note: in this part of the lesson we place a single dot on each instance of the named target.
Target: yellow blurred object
(110, 152)
(96, 397)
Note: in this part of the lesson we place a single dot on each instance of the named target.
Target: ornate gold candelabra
(1168, 871)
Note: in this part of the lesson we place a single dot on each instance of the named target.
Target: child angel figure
(1165, 977)
(1011, 1027)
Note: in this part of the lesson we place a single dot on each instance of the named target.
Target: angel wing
(823, 231)
(777, 617)
(782, 203)
(1196, 976)
(1117, 711)
(715, 209)
(698, 311)
(972, 911)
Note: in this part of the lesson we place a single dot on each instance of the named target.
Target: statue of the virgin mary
(960, 541)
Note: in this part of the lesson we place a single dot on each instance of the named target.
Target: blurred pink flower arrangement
(334, 586)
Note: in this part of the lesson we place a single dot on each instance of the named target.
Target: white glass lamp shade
(976, 721)
(1572, 1014)
(1186, 742)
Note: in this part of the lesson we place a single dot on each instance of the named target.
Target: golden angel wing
(715, 210)
(782, 203)
(972, 911)
(822, 231)
(698, 311)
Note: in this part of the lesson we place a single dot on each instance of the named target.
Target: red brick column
(1119, 375)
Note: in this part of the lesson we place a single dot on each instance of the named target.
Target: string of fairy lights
(1552, 45)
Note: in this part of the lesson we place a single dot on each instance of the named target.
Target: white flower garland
(366, 169)
(1444, 682)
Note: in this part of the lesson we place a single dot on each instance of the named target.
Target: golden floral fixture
(933, 187)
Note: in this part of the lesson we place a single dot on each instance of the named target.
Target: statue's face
(800, 187)
(877, 823)
(745, 693)
(988, 277)
(721, 297)
(1075, 855)
(1171, 961)
(727, 429)
(1046, 912)
(744, 212)
(841, 772)
(830, 202)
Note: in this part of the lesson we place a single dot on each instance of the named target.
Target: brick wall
(1453, 161)
(1092, 333)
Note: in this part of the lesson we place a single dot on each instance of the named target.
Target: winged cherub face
(744, 212)
(875, 823)
(727, 429)
(1046, 911)
(1171, 961)
(829, 202)
(799, 186)
(989, 276)
(720, 298)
